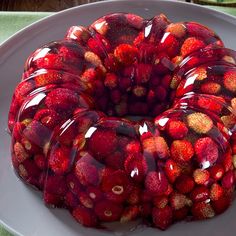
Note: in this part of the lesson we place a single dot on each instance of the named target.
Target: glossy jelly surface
(76, 136)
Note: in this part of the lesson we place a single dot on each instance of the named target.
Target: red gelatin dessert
(129, 118)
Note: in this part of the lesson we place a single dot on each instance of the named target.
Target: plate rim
(32, 26)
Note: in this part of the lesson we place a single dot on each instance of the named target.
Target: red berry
(134, 196)
(126, 54)
(47, 117)
(177, 129)
(20, 152)
(142, 73)
(191, 44)
(216, 171)
(40, 161)
(210, 88)
(136, 166)
(73, 184)
(172, 170)
(115, 186)
(199, 122)
(162, 218)
(133, 147)
(99, 45)
(156, 183)
(202, 210)
(206, 151)
(71, 200)
(55, 184)
(22, 90)
(228, 180)
(160, 201)
(156, 146)
(111, 80)
(85, 216)
(115, 96)
(200, 194)
(86, 173)
(184, 184)
(222, 204)
(94, 193)
(230, 80)
(179, 201)
(29, 171)
(78, 33)
(201, 176)
(108, 211)
(102, 143)
(130, 213)
(177, 29)
(85, 200)
(52, 200)
(181, 150)
(62, 100)
(169, 44)
(60, 160)
(216, 192)
(115, 160)
(37, 134)
(180, 214)
(111, 63)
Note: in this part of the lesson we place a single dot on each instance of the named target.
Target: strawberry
(177, 129)
(199, 122)
(200, 194)
(221, 204)
(210, 88)
(108, 211)
(184, 184)
(162, 218)
(179, 201)
(156, 183)
(160, 201)
(111, 80)
(230, 80)
(71, 200)
(115, 186)
(216, 192)
(86, 173)
(130, 213)
(228, 179)
(206, 151)
(169, 44)
(62, 100)
(177, 29)
(202, 210)
(94, 193)
(126, 54)
(20, 152)
(190, 45)
(216, 171)
(102, 143)
(85, 216)
(60, 159)
(47, 117)
(136, 167)
(115, 160)
(201, 176)
(156, 146)
(181, 150)
(172, 170)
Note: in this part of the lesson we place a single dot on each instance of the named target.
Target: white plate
(21, 208)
